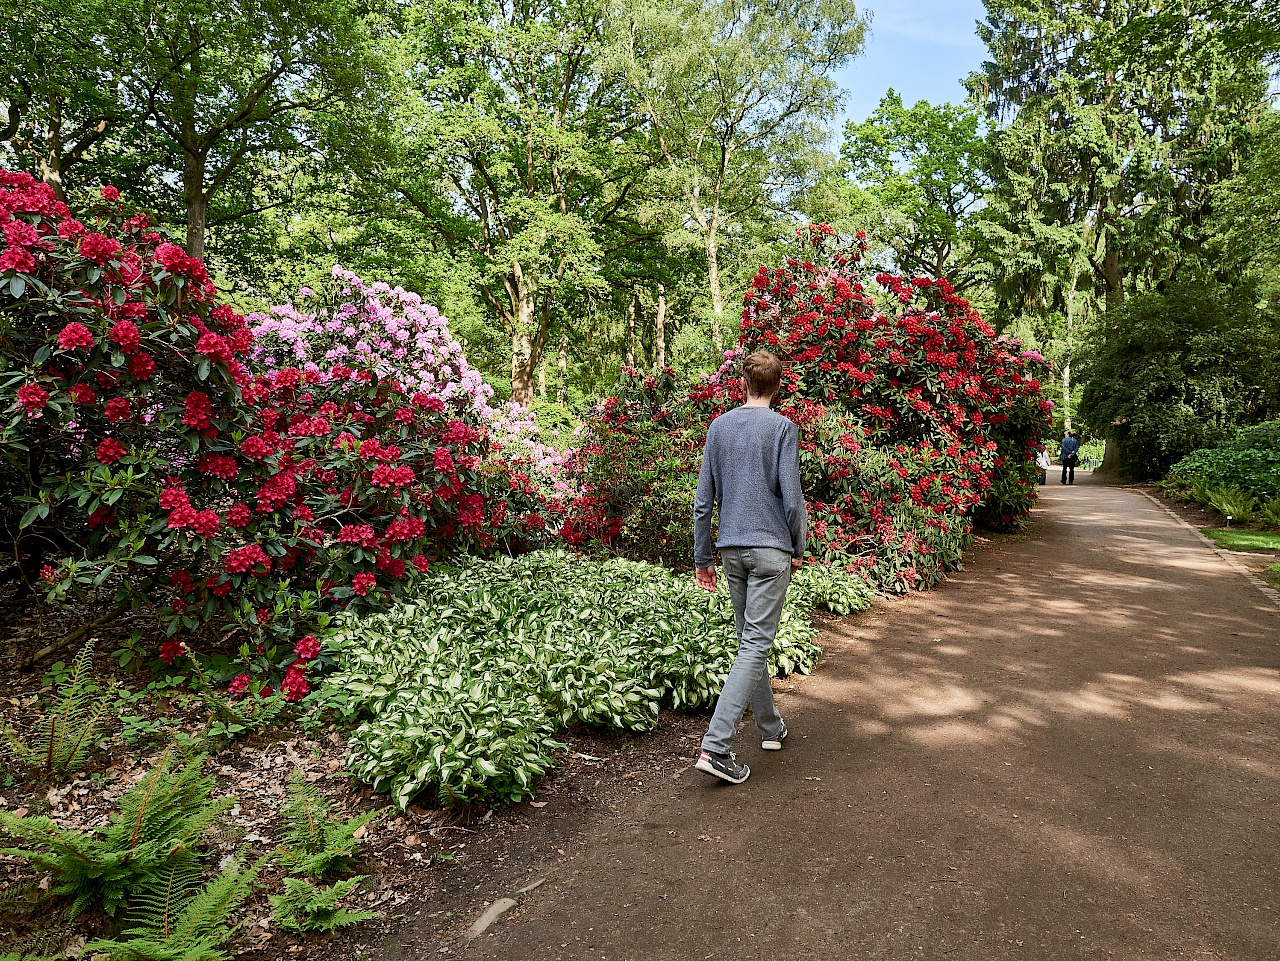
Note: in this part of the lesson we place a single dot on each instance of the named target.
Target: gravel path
(1067, 751)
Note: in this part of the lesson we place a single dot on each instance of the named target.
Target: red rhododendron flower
(82, 394)
(117, 409)
(420, 562)
(198, 411)
(17, 259)
(238, 515)
(171, 650)
(125, 334)
(110, 194)
(211, 345)
(110, 451)
(218, 465)
(255, 447)
(444, 461)
(205, 523)
(362, 582)
(244, 559)
(32, 397)
(98, 249)
(75, 336)
(19, 233)
(359, 534)
(141, 366)
(239, 685)
(307, 647)
(294, 685)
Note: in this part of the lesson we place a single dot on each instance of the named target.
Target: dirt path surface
(1068, 751)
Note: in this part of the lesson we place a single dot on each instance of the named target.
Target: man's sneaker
(725, 767)
(775, 743)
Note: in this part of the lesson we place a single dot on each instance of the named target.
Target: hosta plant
(462, 692)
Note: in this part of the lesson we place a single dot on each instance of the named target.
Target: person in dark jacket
(1070, 457)
(751, 469)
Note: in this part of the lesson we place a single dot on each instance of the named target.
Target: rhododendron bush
(142, 450)
(914, 418)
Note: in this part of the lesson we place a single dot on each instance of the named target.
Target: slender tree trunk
(660, 330)
(1066, 367)
(633, 307)
(562, 389)
(717, 296)
(51, 162)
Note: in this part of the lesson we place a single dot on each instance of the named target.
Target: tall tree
(734, 95)
(922, 167)
(506, 148)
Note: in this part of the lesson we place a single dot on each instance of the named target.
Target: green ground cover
(1243, 539)
(462, 691)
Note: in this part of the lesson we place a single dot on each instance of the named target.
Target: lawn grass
(1243, 539)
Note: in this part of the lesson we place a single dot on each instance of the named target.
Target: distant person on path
(751, 469)
(1070, 457)
(1043, 464)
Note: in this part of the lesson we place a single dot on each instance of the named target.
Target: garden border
(1270, 593)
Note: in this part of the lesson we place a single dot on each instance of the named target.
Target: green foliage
(1173, 372)
(1233, 503)
(920, 167)
(315, 844)
(156, 828)
(305, 908)
(61, 742)
(1243, 539)
(175, 918)
(1269, 512)
(462, 693)
(1249, 461)
(229, 719)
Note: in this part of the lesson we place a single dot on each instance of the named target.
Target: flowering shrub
(142, 451)
(914, 417)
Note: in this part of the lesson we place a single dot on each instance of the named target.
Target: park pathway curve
(1070, 750)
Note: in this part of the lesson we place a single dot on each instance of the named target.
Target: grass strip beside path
(1243, 539)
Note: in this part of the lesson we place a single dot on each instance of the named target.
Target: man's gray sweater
(751, 468)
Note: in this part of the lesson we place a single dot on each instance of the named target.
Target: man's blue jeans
(758, 578)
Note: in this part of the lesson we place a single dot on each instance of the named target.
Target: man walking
(751, 469)
(1070, 457)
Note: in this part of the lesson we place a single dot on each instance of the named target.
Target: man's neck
(758, 401)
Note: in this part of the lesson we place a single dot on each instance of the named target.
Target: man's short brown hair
(763, 372)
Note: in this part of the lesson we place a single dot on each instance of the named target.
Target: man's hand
(706, 578)
(795, 563)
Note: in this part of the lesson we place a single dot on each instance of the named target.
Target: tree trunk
(526, 343)
(633, 307)
(717, 297)
(1113, 276)
(562, 389)
(660, 330)
(51, 163)
(197, 202)
(1066, 366)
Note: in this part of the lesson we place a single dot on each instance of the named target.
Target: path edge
(1268, 592)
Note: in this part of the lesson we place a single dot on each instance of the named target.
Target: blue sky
(920, 48)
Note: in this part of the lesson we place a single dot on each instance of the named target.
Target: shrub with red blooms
(914, 418)
(142, 452)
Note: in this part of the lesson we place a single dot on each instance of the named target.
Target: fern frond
(20, 901)
(60, 744)
(316, 844)
(303, 907)
(157, 825)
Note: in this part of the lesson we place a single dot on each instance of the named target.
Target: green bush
(462, 692)
(1234, 503)
(1250, 461)
(1174, 371)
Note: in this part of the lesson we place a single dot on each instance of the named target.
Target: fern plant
(60, 744)
(1270, 512)
(172, 917)
(316, 844)
(307, 909)
(156, 828)
(1233, 502)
